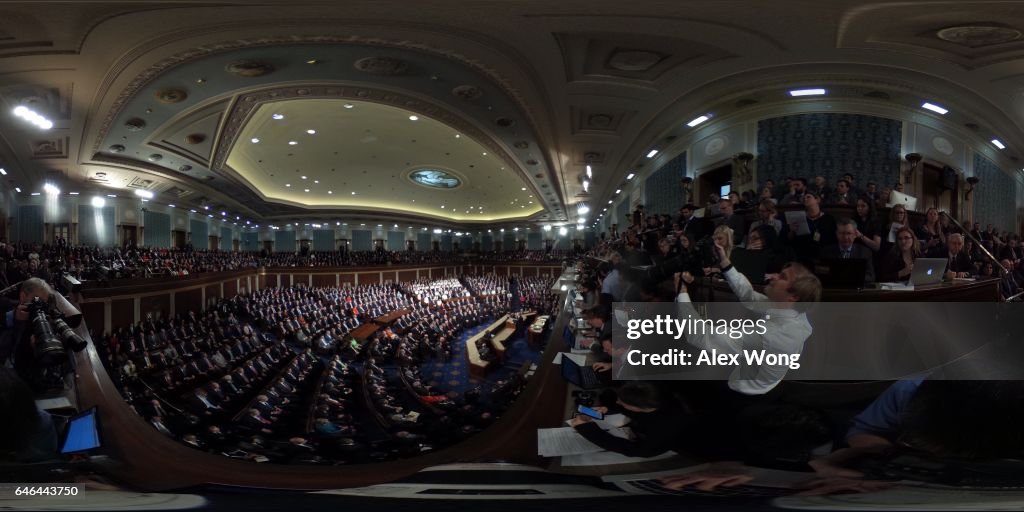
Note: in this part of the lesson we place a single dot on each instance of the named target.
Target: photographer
(16, 341)
(784, 300)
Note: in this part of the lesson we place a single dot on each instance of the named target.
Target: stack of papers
(907, 287)
(580, 359)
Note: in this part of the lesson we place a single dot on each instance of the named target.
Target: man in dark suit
(960, 264)
(729, 218)
(846, 233)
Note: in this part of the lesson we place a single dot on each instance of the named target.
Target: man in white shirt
(612, 283)
(787, 328)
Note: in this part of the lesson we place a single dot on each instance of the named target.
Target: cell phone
(587, 411)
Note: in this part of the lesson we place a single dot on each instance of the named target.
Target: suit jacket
(961, 263)
(856, 251)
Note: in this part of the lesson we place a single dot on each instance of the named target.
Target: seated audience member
(723, 236)
(867, 225)
(987, 269)
(766, 195)
(960, 264)
(730, 219)
(820, 187)
(843, 195)
(897, 219)
(1011, 251)
(787, 295)
(822, 227)
(898, 263)
(846, 232)
(797, 189)
(26, 430)
(1009, 288)
(654, 420)
(762, 255)
(691, 224)
(766, 214)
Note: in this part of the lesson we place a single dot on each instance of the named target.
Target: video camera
(54, 337)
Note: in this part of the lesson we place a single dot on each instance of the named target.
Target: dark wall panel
(188, 300)
(369, 278)
(347, 278)
(321, 280)
(92, 312)
(407, 275)
(122, 313)
(155, 306)
(231, 288)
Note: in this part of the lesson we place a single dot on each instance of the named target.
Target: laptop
(82, 433)
(908, 202)
(582, 376)
(842, 273)
(928, 271)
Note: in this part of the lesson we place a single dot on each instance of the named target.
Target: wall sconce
(971, 183)
(914, 159)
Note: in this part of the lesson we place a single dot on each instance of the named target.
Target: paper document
(580, 359)
(607, 458)
(797, 221)
(553, 442)
(49, 404)
(905, 287)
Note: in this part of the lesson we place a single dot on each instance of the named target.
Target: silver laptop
(908, 202)
(928, 271)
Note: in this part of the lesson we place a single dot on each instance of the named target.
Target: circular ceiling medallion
(435, 178)
(171, 95)
(185, 168)
(387, 66)
(135, 124)
(468, 92)
(116, 148)
(155, 157)
(634, 60)
(249, 68)
(977, 36)
(715, 146)
(195, 138)
(942, 145)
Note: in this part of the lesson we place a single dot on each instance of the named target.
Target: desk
(982, 290)
(477, 366)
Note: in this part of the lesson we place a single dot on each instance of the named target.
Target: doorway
(712, 180)
(178, 238)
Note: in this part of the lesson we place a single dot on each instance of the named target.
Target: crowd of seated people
(243, 379)
(433, 291)
(812, 239)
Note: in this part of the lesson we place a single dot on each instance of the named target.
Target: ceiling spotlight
(278, 116)
(51, 189)
(563, 231)
(353, 192)
(586, 185)
(33, 117)
(98, 202)
(934, 108)
(3, 171)
(287, 184)
(348, 105)
(524, 189)
(306, 189)
(485, 153)
(170, 205)
(311, 132)
(630, 176)
(17, 189)
(697, 121)
(652, 153)
(292, 142)
(590, 173)
(255, 140)
(330, 191)
(547, 227)
(609, 201)
(303, 177)
(618, 190)
(414, 118)
(807, 92)
(206, 207)
(997, 143)
(316, 181)
(457, 136)
(76, 193)
(145, 194)
(115, 195)
(36, 193)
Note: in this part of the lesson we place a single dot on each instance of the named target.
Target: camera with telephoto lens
(53, 337)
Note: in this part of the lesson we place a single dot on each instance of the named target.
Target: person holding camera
(17, 343)
(784, 303)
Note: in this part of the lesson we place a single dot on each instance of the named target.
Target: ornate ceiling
(167, 96)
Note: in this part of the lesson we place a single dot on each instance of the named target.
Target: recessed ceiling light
(17, 189)
(697, 121)
(330, 191)
(3, 172)
(618, 190)
(348, 105)
(414, 118)
(115, 195)
(630, 176)
(287, 184)
(353, 192)
(303, 177)
(997, 143)
(292, 142)
(278, 116)
(524, 189)
(255, 140)
(485, 153)
(306, 189)
(457, 136)
(312, 61)
(652, 153)
(311, 132)
(934, 108)
(609, 201)
(807, 92)
(36, 193)
(193, 211)
(75, 194)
